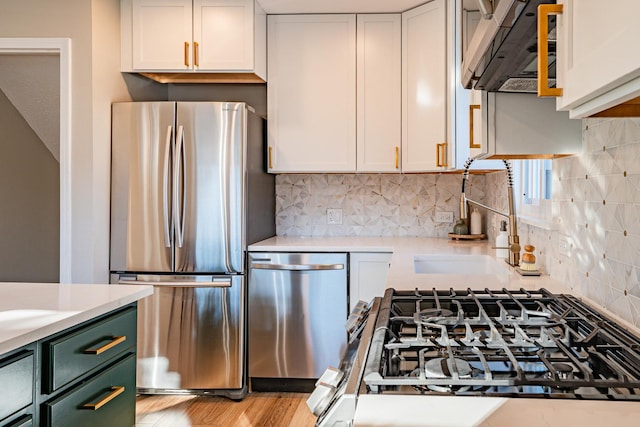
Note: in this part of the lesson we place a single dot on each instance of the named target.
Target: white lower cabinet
(367, 275)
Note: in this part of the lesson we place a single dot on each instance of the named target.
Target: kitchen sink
(458, 264)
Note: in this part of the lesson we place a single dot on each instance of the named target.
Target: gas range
(438, 345)
(502, 344)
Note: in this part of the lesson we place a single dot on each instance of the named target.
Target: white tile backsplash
(372, 204)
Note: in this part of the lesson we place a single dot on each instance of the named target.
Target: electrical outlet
(334, 216)
(564, 246)
(444, 216)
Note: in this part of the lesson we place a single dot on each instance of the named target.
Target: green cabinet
(108, 399)
(82, 376)
(72, 354)
(17, 377)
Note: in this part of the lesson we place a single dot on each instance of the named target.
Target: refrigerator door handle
(179, 188)
(180, 284)
(298, 267)
(165, 190)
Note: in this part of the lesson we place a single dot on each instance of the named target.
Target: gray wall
(30, 194)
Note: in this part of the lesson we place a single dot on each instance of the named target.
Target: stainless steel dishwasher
(297, 312)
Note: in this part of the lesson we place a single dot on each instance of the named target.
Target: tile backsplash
(596, 206)
(395, 205)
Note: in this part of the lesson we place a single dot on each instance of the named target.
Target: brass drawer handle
(186, 54)
(115, 392)
(544, 10)
(114, 342)
(472, 143)
(195, 54)
(270, 157)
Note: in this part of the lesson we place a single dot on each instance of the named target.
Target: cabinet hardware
(186, 54)
(115, 391)
(270, 158)
(196, 63)
(114, 342)
(472, 143)
(544, 10)
(441, 148)
(397, 157)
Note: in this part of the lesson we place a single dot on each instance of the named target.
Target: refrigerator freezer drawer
(191, 339)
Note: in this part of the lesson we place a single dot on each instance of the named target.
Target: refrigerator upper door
(141, 222)
(209, 187)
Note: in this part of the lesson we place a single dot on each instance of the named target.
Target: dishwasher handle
(298, 267)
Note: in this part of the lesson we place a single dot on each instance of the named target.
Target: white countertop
(401, 273)
(31, 311)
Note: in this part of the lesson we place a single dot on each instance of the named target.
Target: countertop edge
(137, 292)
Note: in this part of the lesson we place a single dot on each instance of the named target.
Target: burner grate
(497, 343)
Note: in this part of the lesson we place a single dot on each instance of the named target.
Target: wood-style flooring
(257, 409)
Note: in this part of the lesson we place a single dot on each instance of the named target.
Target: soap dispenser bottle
(476, 222)
(502, 242)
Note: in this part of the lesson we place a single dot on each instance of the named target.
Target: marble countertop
(32, 311)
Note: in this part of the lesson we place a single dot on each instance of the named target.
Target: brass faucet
(514, 239)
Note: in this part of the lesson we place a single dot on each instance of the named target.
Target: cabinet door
(223, 34)
(367, 276)
(596, 45)
(425, 58)
(378, 93)
(106, 399)
(16, 377)
(161, 38)
(311, 94)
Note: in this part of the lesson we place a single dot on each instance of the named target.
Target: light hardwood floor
(257, 409)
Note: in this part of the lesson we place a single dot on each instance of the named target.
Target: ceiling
(338, 6)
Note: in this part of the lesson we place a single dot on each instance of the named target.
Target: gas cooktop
(500, 343)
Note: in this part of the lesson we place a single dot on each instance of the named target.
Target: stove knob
(320, 398)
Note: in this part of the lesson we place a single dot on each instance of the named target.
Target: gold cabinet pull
(196, 63)
(186, 54)
(544, 10)
(441, 148)
(270, 158)
(114, 342)
(397, 157)
(472, 143)
(115, 391)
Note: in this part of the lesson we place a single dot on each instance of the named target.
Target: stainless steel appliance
(439, 348)
(502, 53)
(189, 193)
(297, 314)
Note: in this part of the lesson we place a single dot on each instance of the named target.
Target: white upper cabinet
(597, 62)
(311, 93)
(193, 36)
(379, 126)
(426, 90)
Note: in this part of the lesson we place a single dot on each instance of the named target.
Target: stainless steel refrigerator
(189, 193)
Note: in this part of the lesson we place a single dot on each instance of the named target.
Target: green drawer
(16, 378)
(71, 355)
(113, 390)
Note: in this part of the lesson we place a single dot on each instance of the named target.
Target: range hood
(502, 54)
